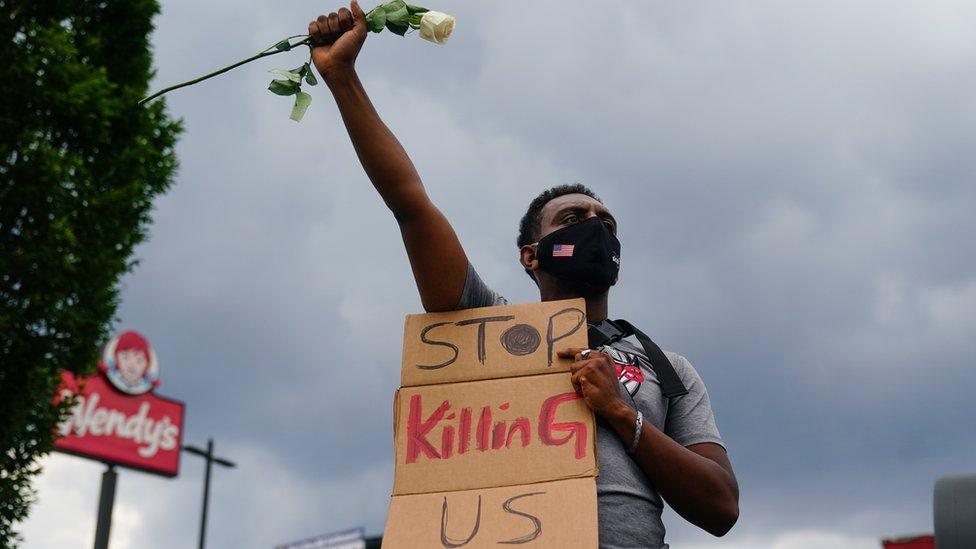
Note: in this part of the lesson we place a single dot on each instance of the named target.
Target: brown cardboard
(559, 514)
(491, 342)
(498, 432)
(492, 444)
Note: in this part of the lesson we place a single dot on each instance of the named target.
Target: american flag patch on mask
(562, 250)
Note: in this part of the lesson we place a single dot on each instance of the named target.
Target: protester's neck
(596, 309)
(596, 305)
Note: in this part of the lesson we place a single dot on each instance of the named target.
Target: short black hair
(530, 226)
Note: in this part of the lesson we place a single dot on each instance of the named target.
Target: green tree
(80, 164)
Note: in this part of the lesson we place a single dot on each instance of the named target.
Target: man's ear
(528, 258)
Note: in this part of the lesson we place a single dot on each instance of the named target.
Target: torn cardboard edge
(559, 513)
(491, 342)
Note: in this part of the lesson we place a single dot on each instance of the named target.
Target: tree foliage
(80, 163)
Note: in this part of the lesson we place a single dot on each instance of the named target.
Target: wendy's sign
(116, 417)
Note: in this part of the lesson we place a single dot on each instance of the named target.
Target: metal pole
(106, 499)
(206, 493)
(208, 455)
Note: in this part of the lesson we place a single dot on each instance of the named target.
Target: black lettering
(550, 340)
(536, 532)
(451, 346)
(521, 340)
(481, 330)
(451, 542)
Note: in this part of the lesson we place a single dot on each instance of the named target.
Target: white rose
(436, 26)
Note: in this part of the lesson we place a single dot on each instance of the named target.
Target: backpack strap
(610, 331)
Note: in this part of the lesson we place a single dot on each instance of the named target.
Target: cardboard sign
(491, 342)
(499, 432)
(492, 443)
(552, 514)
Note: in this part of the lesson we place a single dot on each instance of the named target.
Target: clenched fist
(594, 376)
(337, 39)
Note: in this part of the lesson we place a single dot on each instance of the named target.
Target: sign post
(211, 459)
(106, 500)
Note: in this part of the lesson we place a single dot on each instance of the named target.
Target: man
(676, 453)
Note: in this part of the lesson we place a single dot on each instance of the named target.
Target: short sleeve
(690, 419)
(477, 294)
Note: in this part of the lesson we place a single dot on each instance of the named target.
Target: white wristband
(637, 432)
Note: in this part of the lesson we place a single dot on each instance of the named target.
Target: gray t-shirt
(628, 505)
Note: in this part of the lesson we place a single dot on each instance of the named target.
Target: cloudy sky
(794, 185)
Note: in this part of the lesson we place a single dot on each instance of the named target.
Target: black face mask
(586, 253)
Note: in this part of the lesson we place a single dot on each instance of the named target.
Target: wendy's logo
(130, 363)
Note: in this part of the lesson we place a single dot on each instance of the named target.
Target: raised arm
(436, 256)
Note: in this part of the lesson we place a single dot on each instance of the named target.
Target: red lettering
(455, 438)
(522, 427)
(464, 431)
(418, 428)
(548, 424)
(498, 435)
(447, 442)
(484, 426)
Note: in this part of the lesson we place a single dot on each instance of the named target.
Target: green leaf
(415, 20)
(284, 45)
(294, 75)
(302, 101)
(396, 12)
(305, 71)
(397, 28)
(376, 20)
(416, 9)
(284, 87)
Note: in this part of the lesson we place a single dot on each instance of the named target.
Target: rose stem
(264, 53)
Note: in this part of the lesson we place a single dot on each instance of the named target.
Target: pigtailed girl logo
(130, 363)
